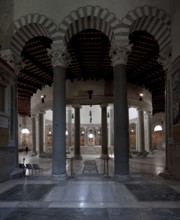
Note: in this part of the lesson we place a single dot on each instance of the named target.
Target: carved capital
(165, 58)
(18, 65)
(119, 53)
(59, 55)
(7, 56)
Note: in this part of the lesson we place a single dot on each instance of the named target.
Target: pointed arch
(89, 17)
(30, 26)
(151, 19)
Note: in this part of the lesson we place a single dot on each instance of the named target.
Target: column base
(60, 177)
(122, 178)
(104, 156)
(166, 174)
(77, 157)
(34, 154)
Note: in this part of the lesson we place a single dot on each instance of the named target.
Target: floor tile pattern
(153, 192)
(90, 167)
(89, 214)
(26, 192)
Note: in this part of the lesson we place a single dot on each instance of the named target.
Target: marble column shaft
(69, 126)
(77, 153)
(34, 134)
(141, 130)
(59, 124)
(149, 135)
(41, 133)
(111, 127)
(121, 124)
(104, 148)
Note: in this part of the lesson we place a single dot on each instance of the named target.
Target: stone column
(77, 153)
(85, 136)
(119, 55)
(14, 121)
(41, 133)
(137, 141)
(60, 60)
(111, 127)
(165, 60)
(34, 152)
(69, 126)
(149, 133)
(104, 147)
(141, 130)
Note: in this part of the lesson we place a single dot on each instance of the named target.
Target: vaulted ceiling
(89, 51)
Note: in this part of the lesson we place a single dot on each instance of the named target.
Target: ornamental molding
(59, 55)
(7, 56)
(119, 52)
(165, 58)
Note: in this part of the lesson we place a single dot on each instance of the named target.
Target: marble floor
(87, 194)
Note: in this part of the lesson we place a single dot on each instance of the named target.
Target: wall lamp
(42, 98)
(90, 92)
(141, 96)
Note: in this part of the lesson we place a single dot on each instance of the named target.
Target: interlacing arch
(89, 17)
(151, 19)
(30, 26)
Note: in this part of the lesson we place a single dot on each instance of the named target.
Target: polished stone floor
(92, 195)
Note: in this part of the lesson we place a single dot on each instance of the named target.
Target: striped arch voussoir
(30, 26)
(89, 17)
(151, 19)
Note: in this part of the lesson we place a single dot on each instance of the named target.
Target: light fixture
(141, 96)
(42, 98)
(90, 92)
(25, 131)
(90, 135)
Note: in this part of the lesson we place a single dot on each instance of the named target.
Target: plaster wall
(76, 93)
(6, 21)
(175, 29)
(57, 10)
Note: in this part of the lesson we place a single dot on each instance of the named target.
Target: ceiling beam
(37, 63)
(41, 79)
(29, 83)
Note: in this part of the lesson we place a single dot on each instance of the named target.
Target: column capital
(33, 115)
(165, 58)
(15, 62)
(18, 65)
(76, 106)
(59, 55)
(42, 112)
(7, 56)
(149, 113)
(104, 105)
(140, 109)
(119, 52)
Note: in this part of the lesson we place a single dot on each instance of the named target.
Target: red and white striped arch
(151, 19)
(89, 17)
(30, 26)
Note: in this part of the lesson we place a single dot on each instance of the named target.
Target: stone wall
(6, 22)
(7, 162)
